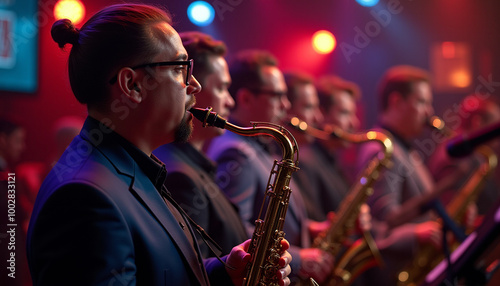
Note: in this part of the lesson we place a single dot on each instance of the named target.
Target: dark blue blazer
(98, 220)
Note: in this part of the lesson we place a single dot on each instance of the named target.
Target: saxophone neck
(333, 132)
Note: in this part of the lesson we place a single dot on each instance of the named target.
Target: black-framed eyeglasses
(188, 63)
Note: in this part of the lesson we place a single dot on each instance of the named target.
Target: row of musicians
(223, 170)
(219, 178)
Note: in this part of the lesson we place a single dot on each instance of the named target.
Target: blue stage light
(201, 13)
(367, 3)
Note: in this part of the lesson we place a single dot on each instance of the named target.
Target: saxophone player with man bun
(102, 215)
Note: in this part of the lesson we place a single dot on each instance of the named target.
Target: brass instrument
(363, 254)
(265, 246)
(471, 189)
(427, 257)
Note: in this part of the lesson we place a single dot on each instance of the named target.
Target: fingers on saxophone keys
(285, 259)
(283, 275)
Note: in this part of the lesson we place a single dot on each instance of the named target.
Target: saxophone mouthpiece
(208, 117)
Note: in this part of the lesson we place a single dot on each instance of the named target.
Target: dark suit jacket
(99, 220)
(191, 179)
(320, 180)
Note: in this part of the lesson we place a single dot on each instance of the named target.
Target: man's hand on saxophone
(316, 263)
(236, 264)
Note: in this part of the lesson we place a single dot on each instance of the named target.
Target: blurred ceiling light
(73, 10)
(201, 13)
(323, 42)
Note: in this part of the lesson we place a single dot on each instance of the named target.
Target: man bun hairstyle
(64, 32)
(118, 36)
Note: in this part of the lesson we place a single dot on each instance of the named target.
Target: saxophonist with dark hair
(400, 204)
(102, 215)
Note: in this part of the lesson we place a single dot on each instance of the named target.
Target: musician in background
(244, 162)
(476, 112)
(401, 193)
(191, 175)
(320, 174)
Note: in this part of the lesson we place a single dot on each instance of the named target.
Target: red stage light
(70, 9)
(323, 42)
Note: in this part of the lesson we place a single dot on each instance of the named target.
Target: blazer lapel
(154, 202)
(144, 189)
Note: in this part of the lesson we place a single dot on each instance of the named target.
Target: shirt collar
(151, 166)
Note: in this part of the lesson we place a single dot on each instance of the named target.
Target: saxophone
(363, 254)
(427, 257)
(265, 245)
(471, 189)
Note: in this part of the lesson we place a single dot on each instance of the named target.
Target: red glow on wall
(448, 50)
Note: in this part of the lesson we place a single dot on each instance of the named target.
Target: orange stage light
(70, 9)
(323, 42)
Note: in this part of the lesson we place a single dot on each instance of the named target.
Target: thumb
(239, 257)
(237, 261)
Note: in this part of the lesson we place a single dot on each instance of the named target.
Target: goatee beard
(183, 133)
